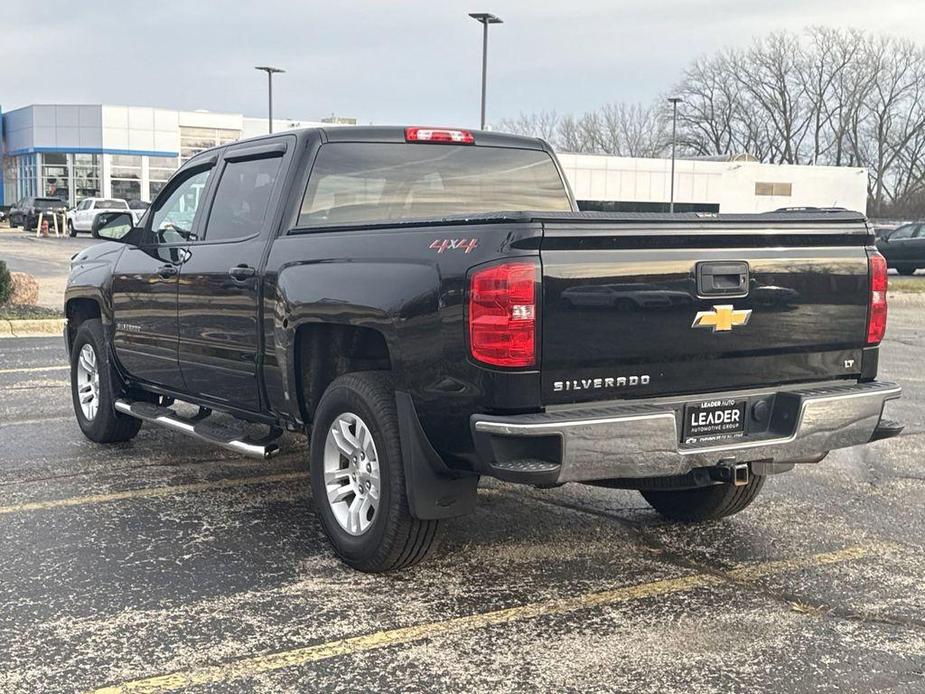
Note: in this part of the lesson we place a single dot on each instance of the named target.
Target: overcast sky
(389, 61)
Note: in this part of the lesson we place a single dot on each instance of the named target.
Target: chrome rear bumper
(642, 438)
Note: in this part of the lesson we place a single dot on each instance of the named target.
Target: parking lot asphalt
(48, 259)
(164, 564)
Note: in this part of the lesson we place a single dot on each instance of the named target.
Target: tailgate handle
(722, 278)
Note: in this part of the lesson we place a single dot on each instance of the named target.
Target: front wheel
(72, 232)
(906, 269)
(704, 503)
(358, 480)
(95, 386)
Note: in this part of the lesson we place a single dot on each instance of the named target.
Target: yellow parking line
(34, 369)
(151, 492)
(248, 667)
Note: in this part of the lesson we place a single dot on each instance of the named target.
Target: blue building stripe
(90, 150)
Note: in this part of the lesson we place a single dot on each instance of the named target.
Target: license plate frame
(713, 421)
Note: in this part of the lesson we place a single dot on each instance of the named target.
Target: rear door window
(242, 199)
(356, 183)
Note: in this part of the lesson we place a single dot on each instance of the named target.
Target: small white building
(607, 183)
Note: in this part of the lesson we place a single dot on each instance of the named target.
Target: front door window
(172, 221)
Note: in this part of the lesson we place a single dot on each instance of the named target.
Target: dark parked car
(414, 300)
(904, 248)
(26, 212)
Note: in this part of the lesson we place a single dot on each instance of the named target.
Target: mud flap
(433, 490)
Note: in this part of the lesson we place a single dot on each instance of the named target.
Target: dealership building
(76, 151)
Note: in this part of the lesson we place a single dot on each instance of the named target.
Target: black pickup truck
(429, 306)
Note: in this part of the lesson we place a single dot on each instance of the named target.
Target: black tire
(906, 269)
(394, 539)
(704, 503)
(71, 231)
(107, 425)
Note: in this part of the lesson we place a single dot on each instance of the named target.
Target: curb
(31, 328)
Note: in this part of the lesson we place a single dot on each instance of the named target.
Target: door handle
(240, 273)
(167, 271)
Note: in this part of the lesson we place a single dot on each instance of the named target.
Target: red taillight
(876, 317)
(502, 314)
(456, 137)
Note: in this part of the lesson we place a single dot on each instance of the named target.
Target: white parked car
(81, 217)
(138, 209)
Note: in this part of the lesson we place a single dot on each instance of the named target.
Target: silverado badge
(721, 318)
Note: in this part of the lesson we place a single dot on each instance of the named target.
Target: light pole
(484, 18)
(674, 101)
(270, 70)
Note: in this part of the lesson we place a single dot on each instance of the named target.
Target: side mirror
(113, 226)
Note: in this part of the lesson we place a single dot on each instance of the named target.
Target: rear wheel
(704, 503)
(358, 481)
(95, 385)
(906, 269)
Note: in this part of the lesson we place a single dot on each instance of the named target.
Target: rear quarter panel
(398, 282)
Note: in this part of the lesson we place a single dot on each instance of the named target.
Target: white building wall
(140, 129)
(208, 119)
(252, 127)
(731, 185)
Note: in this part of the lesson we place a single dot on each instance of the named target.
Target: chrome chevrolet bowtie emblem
(721, 318)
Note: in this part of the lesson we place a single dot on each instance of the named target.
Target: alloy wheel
(88, 382)
(351, 473)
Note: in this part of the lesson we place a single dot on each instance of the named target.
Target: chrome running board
(199, 428)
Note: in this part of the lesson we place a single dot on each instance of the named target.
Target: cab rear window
(363, 183)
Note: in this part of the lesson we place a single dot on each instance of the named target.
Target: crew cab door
(220, 281)
(144, 284)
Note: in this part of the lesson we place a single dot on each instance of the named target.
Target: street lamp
(270, 70)
(484, 18)
(674, 101)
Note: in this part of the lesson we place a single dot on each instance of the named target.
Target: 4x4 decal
(442, 245)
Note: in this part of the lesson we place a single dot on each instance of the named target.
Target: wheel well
(78, 311)
(324, 352)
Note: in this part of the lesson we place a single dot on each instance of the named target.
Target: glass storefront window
(126, 166)
(160, 169)
(86, 176)
(195, 140)
(126, 176)
(55, 182)
(126, 190)
(26, 165)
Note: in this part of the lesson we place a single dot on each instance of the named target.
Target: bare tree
(827, 96)
(543, 125)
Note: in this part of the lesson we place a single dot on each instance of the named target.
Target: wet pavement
(164, 564)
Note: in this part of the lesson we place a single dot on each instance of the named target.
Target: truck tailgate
(642, 306)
